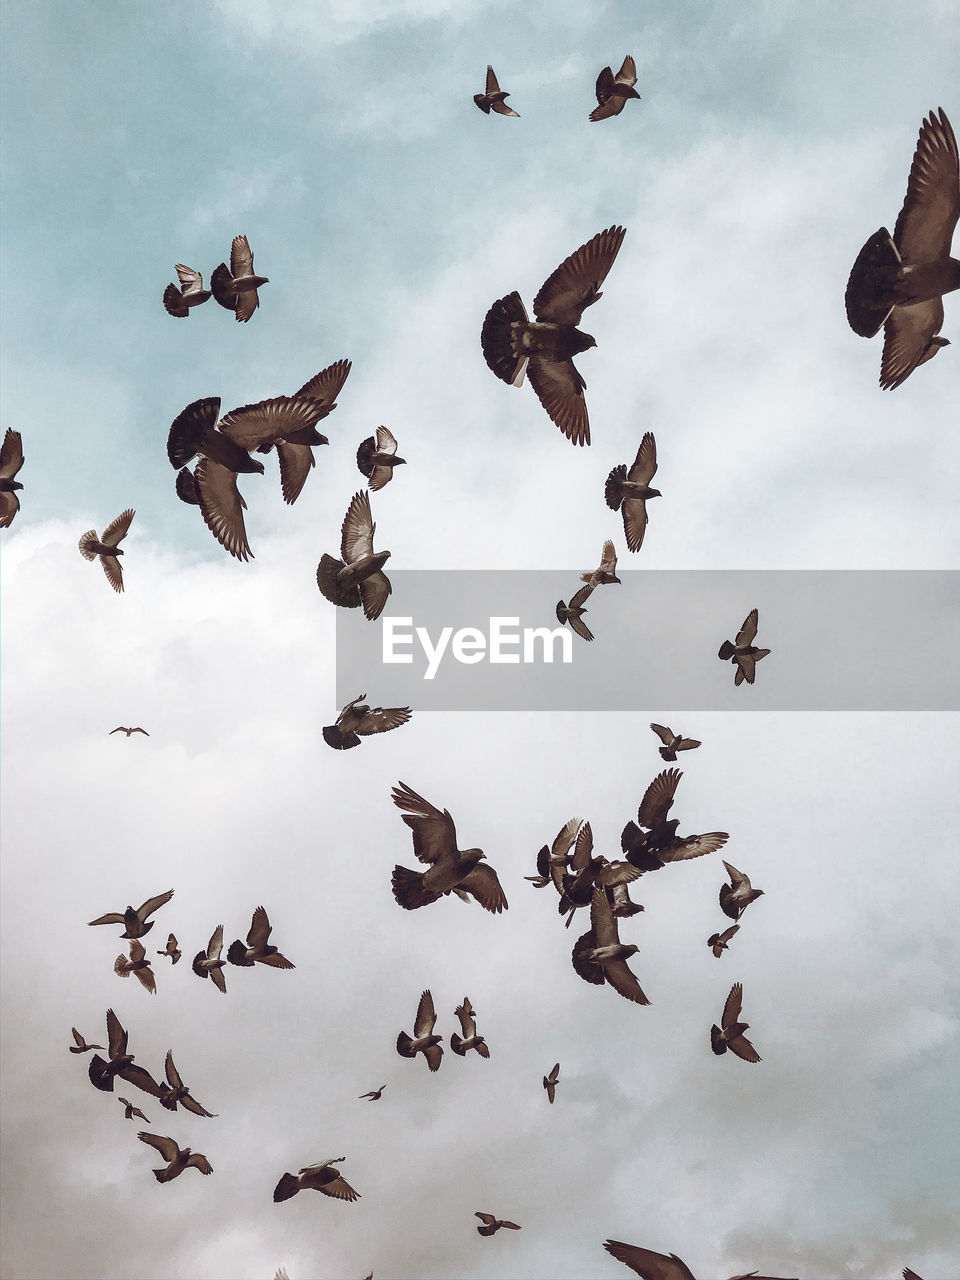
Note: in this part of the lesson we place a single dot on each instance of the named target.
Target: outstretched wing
(383, 719)
(166, 1146)
(907, 334)
(326, 385)
(482, 881)
(576, 282)
(559, 389)
(648, 1264)
(222, 506)
(434, 833)
(927, 221)
(658, 798)
(356, 535)
(117, 530)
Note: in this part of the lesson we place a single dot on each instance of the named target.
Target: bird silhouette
(606, 572)
(235, 287)
(423, 1039)
(660, 844)
(11, 460)
(175, 1091)
(107, 547)
(316, 1177)
(599, 956)
(171, 949)
(377, 458)
(209, 964)
(550, 1082)
(489, 1225)
(358, 577)
(129, 1111)
(356, 718)
(574, 611)
(470, 1039)
(720, 942)
(295, 449)
(628, 491)
(374, 1094)
(742, 652)
(672, 742)
(730, 1034)
(257, 949)
(614, 90)
(736, 896)
(660, 1266)
(121, 1063)
(177, 1159)
(492, 99)
(81, 1045)
(138, 965)
(191, 293)
(122, 728)
(135, 919)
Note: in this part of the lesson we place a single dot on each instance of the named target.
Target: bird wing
(628, 72)
(554, 1075)
(617, 873)
(604, 85)
(565, 837)
(737, 878)
(338, 1187)
(634, 511)
(742, 1047)
(434, 833)
(501, 108)
(277, 961)
(382, 719)
(325, 386)
(658, 798)
(191, 1104)
(140, 1077)
(247, 303)
(694, 846)
(9, 506)
(580, 627)
(926, 224)
(270, 420)
(241, 257)
(171, 1072)
(906, 336)
(78, 1038)
(260, 930)
(191, 281)
(748, 632)
(222, 506)
(611, 106)
(583, 849)
(114, 571)
(645, 463)
(374, 593)
(728, 933)
(356, 535)
(117, 530)
(468, 1023)
(624, 981)
(576, 282)
(578, 597)
(559, 389)
(734, 1002)
(688, 744)
(146, 979)
(116, 1036)
(215, 945)
(198, 1161)
(295, 463)
(493, 85)
(172, 942)
(487, 1218)
(136, 949)
(663, 733)
(166, 1146)
(648, 1264)
(154, 904)
(218, 980)
(112, 917)
(602, 920)
(11, 454)
(426, 1017)
(386, 441)
(608, 558)
(482, 881)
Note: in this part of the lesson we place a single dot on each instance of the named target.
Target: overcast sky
(388, 214)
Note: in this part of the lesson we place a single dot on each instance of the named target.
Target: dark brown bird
(178, 1159)
(81, 1045)
(742, 652)
(121, 1063)
(357, 718)
(489, 1225)
(209, 963)
(175, 1091)
(236, 287)
(659, 1266)
(452, 870)
(357, 578)
(423, 1039)
(374, 1094)
(672, 742)
(108, 546)
(134, 919)
(599, 956)
(552, 861)
(731, 1036)
(588, 873)
(574, 611)
(316, 1177)
(512, 344)
(11, 460)
(628, 492)
(492, 99)
(660, 844)
(550, 1082)
(129, 1111)
(377, 458)
(295, 450)
(899, 281)
(614, 90)
(736, 896)
(191, 292)
(123, 729)
(258, 950)
(171, 949)
(606, 572)
(138, 965)
(470, 1039)
(720, 942)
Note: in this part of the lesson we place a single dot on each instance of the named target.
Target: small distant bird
(175, 1091)
(550, 1082)
(236, 287)
(11, 460)
(493, 98)
(377, 458)
(552, 862)
(257, 948)
(121, 1063)
(613, 91)
(512, 344)
(574, 611)
(720, 942)
(134, 919)
(660, 1266)
(129, 1111)
(468, 1025)
(208, 964)
(171, 949)
(606, 573)
(316, 1177)
(672, 742)
(899, 281)
(599, 956)
(909, 1275)
(190, 294)
(452, 870)
(178, 1159)
(490, 1225)
(423, 1039)
(736, 896)
(138, 964)
(732, 1037)
(108, 546)
(628, 492)
(357, 718)
(358, 577)
(374, 1094)
(743, 652)
(123, 729)
(81, 1045)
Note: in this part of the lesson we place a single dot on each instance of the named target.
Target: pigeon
(720, 942)
(81, 1045)
(899, 281)
(295, 449)
(659, 1266)
(743, 652)
(552, 862)
(175, 1091)
(452, 870)
(574, 611)
(236, 288)
(468, 1025)
(253, 426)
(122, 728)
(257, 947)
(316, 1177)
(606, 572)
(11, 460)
(660, 844)
(171, 949)
(599, 956)
(423, 1040)
(190, 294)
(134, 919)
(374, 1094)
(550, 1082)
(736, 896)
(621, 904)
(121, 1063)
(357, 718)
(138, 964)
(493, 98)
(587, 872)
(613, 91)
(672, 742)
(358, 577)
(377, 458)
(627, 492)
(178, 1159)
(489, 1225)
(129, 1111)
(108, 547)
(208, 964)
(732, 1037)
(513, 344)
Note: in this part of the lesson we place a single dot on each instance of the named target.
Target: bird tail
(173, 301)
(496, 338)
(166, 1100)
(403, 1045)
(330, 589)
(716, 1040)
(288, 1186)
(120, 966)
(456, 1044)
(339, 740)
(366, 454)
(187, 487)
(85, 542)
(99, 1077)
(237, 954)
(613, 491)
(873, 277)
(222, 287)
(408, 889)
(589, 970)
(726, 651)
(183, 440)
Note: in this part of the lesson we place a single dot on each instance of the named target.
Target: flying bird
(492, 99)
(552, 861)
(108, 546)
(898, 281)
(236, 287)
(357, 718)
(81, 1045)
(134, 919)
(377, 458)
(171, 949)
(208, 964)
(177, 1159)
(489, 1225)
(574, 611)
(660, 844)
(470, 1039)
(122, 728)
(736, 896)
(550, 1082)
(660, 1266)
(621, 904)
(316, 1177)
(175, 1091)
(599, 956)
(257, 948)
(374, 1094)
(614, 90)
(129, 1111)
(138, 964)
(11, 460)
(121, 1063)
(512, 344)
(606, 572)
(672, 742)
(452, 870)
(588, 872)
(190, 294)
(627, 492)
(423, 1039)
(295, 449)
(357, 578)
(742, 652)
(720, 942)
(731, 1036)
